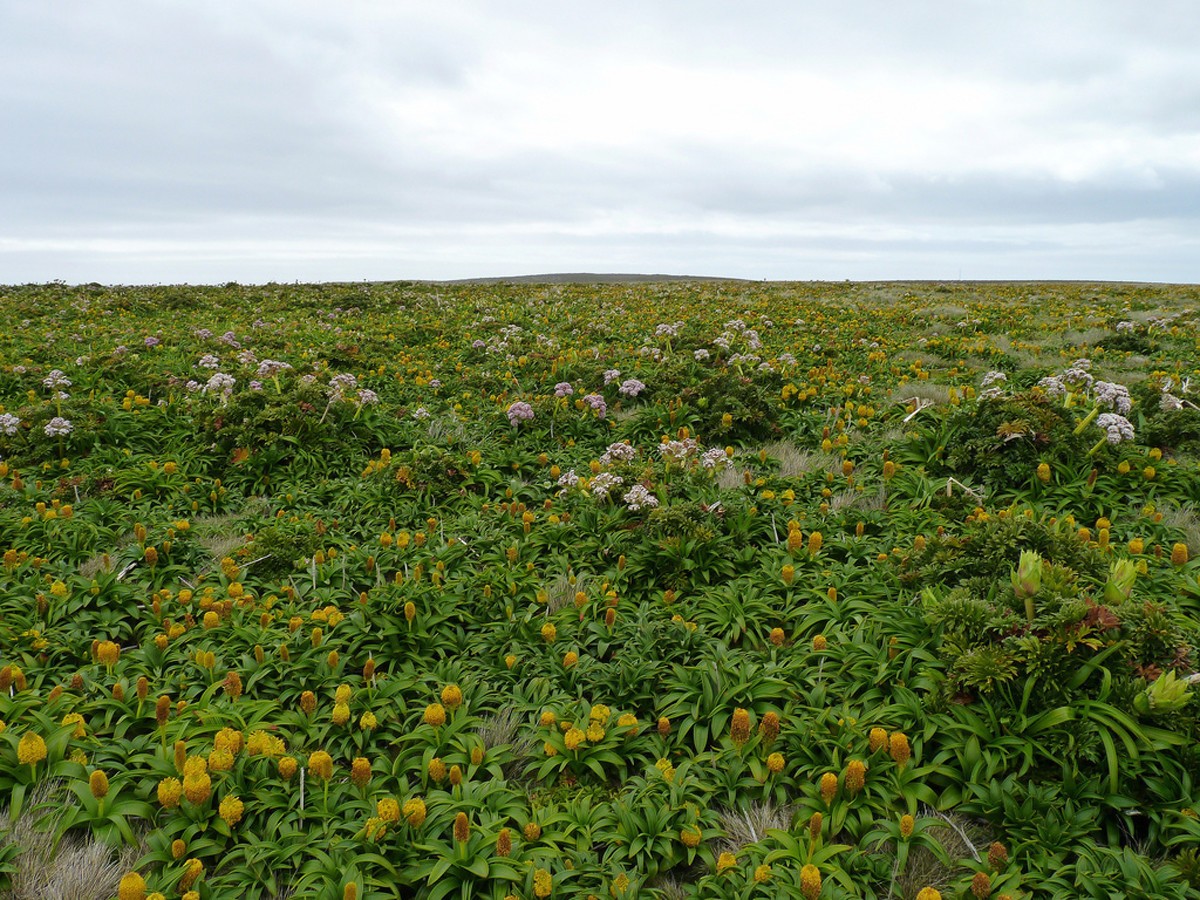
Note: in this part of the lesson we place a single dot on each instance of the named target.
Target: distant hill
(585, 278)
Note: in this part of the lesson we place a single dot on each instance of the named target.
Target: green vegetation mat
(678, 589)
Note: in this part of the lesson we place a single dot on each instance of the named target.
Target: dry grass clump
(1187, 522)
(75, 868)
(747, 826)
(960, 837)
(859, 500)
(795, 461)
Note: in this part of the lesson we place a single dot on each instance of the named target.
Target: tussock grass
(795, 461)
(74, 868)
(750, 825)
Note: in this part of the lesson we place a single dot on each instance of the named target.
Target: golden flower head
(308, 702)
(462, 828)
(287, 767)
(775, 763)
(452, 696)
(1179, 554)
(360, 771)
(663, 726)
(570, 658)
(739, 728)
(437, 770)
(762, 874)
(169, 792)
(320, 764)
(810, 882)
(31, 750)
(388, 809)
(231, 810)
(543, 883)
(549, 633)
(414, 812)
(595, 732)
(768, 728)
(819, 643)
(929, 894)
(435, 715)
(178, 848)
(898, 748)
(73, 718)
(829, 787)
(573, 738)
(856, 771)
(132, 887)
(725, 862)
(877, 738)
(532, 831)
(981, 885)
(691, 836)
(342, 694)
(98, 784)
(340, 714)
(368, 721)
(193, 870)
(906, 826)
(197, 787)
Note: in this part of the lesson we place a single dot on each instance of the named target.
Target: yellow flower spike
(414, 812)
(169, 793)
(31, 750)
(98, 784)
(877, 738)
(231, 810)
(462, 828)
(1179, 554)
(829, 787)
(543, 883)
(906, 826)
(899, 749)
(855, 779)
(762, 874)
(810, 882)
(452, 697)
(739, 728)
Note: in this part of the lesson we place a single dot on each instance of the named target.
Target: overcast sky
(255, 140)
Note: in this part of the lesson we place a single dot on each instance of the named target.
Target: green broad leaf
(440, 868)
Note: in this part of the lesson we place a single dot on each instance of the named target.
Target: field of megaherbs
(717, 590)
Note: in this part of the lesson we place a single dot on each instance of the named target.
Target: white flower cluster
(631, 387)
(618, 453)
(715, 459)
(9, 423)
(58, 427)
(209, 361)
(340, 385)
(56, 380)
(1114, 396)
(519, 412)
(638, 497)
(1117, 428)
(269, 368)
(993, 377)
(222, 384)
(604, 483)
(677, 450)
(611, 375)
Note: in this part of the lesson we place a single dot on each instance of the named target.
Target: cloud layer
(264, 140)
